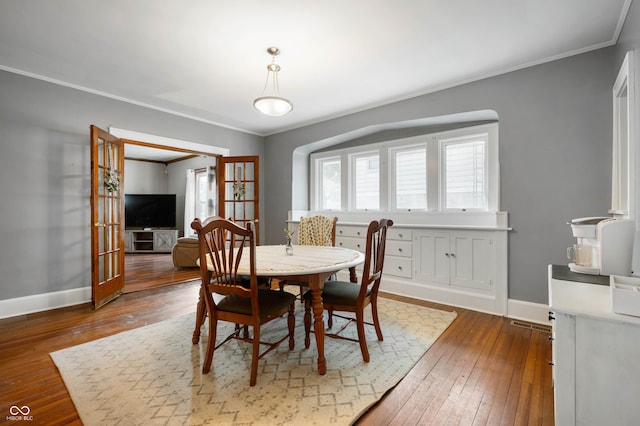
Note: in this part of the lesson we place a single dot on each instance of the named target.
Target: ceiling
(207, 59)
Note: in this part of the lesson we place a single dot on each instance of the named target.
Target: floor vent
(532, 326)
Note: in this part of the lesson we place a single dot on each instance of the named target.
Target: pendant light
(272, 103)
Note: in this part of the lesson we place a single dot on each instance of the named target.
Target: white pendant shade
(273, 105)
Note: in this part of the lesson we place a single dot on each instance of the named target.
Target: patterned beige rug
(152, 375)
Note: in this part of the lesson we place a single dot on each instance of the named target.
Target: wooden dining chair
(201, 309)
(313, 231)
(222, 246)
(345, 296)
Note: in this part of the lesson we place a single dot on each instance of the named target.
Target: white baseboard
(516, 309)
(44, 302)
(527, 311)
(476, 301)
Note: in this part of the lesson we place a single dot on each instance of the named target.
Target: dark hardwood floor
(144, 271)
(482, 371)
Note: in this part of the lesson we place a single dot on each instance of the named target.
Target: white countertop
(585, 299)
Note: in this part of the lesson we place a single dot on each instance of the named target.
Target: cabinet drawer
(398, 248)
(351, 243)
(398, 234)
(351, 231)
(397, 266)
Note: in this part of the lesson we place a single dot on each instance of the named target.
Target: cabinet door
(607, 372)
(472, 257)
(164, 240)
(564, 368)
(431, 250)
(128, 241)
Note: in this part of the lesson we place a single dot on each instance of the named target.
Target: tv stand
(150, 241)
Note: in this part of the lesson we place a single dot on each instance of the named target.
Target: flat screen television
(149, 211)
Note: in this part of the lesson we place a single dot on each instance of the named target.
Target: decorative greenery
(238, 190)
(112, 180)
(288, 234)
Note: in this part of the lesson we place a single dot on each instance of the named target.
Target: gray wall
(144, 177)
(44, 170)
(555, 154)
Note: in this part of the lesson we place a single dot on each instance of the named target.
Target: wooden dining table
(311, 264)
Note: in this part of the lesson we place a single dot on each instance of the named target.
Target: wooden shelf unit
(150, 241)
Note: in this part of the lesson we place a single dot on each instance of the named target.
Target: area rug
(152, 375)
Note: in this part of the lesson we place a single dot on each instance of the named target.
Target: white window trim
(492, 168)
(353, 156)
(443, 143)
(434, 179)
(317, 178)
(392, 174)
(623, 190)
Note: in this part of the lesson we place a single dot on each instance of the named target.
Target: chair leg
(376, 321)
(255, 355)
(307, 323)
(211, 345)
(291, 320)
(201, 316)
(362, 338)
(330, 319)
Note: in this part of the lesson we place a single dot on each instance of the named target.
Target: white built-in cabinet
(398, 259)
(459, 259)
(455, 266)
(595, 356)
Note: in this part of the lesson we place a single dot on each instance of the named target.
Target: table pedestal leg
(315, 284)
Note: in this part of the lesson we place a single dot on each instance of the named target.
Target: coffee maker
(604, 246)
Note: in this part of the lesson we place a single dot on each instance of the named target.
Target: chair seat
(270, 302)
(342, 293)
(343, 296)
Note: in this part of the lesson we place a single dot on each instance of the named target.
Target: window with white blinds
(331, 183)
(464, 174)
(409, 188)
(366, 181)
(456, 170)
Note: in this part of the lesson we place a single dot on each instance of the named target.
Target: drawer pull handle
(400, 250)
(447, 254)
(400, 268)
(400, 235)
(358, 232)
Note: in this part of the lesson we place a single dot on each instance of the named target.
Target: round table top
(272, 260)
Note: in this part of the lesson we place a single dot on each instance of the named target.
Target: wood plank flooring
(143, 271)
(481, 371)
